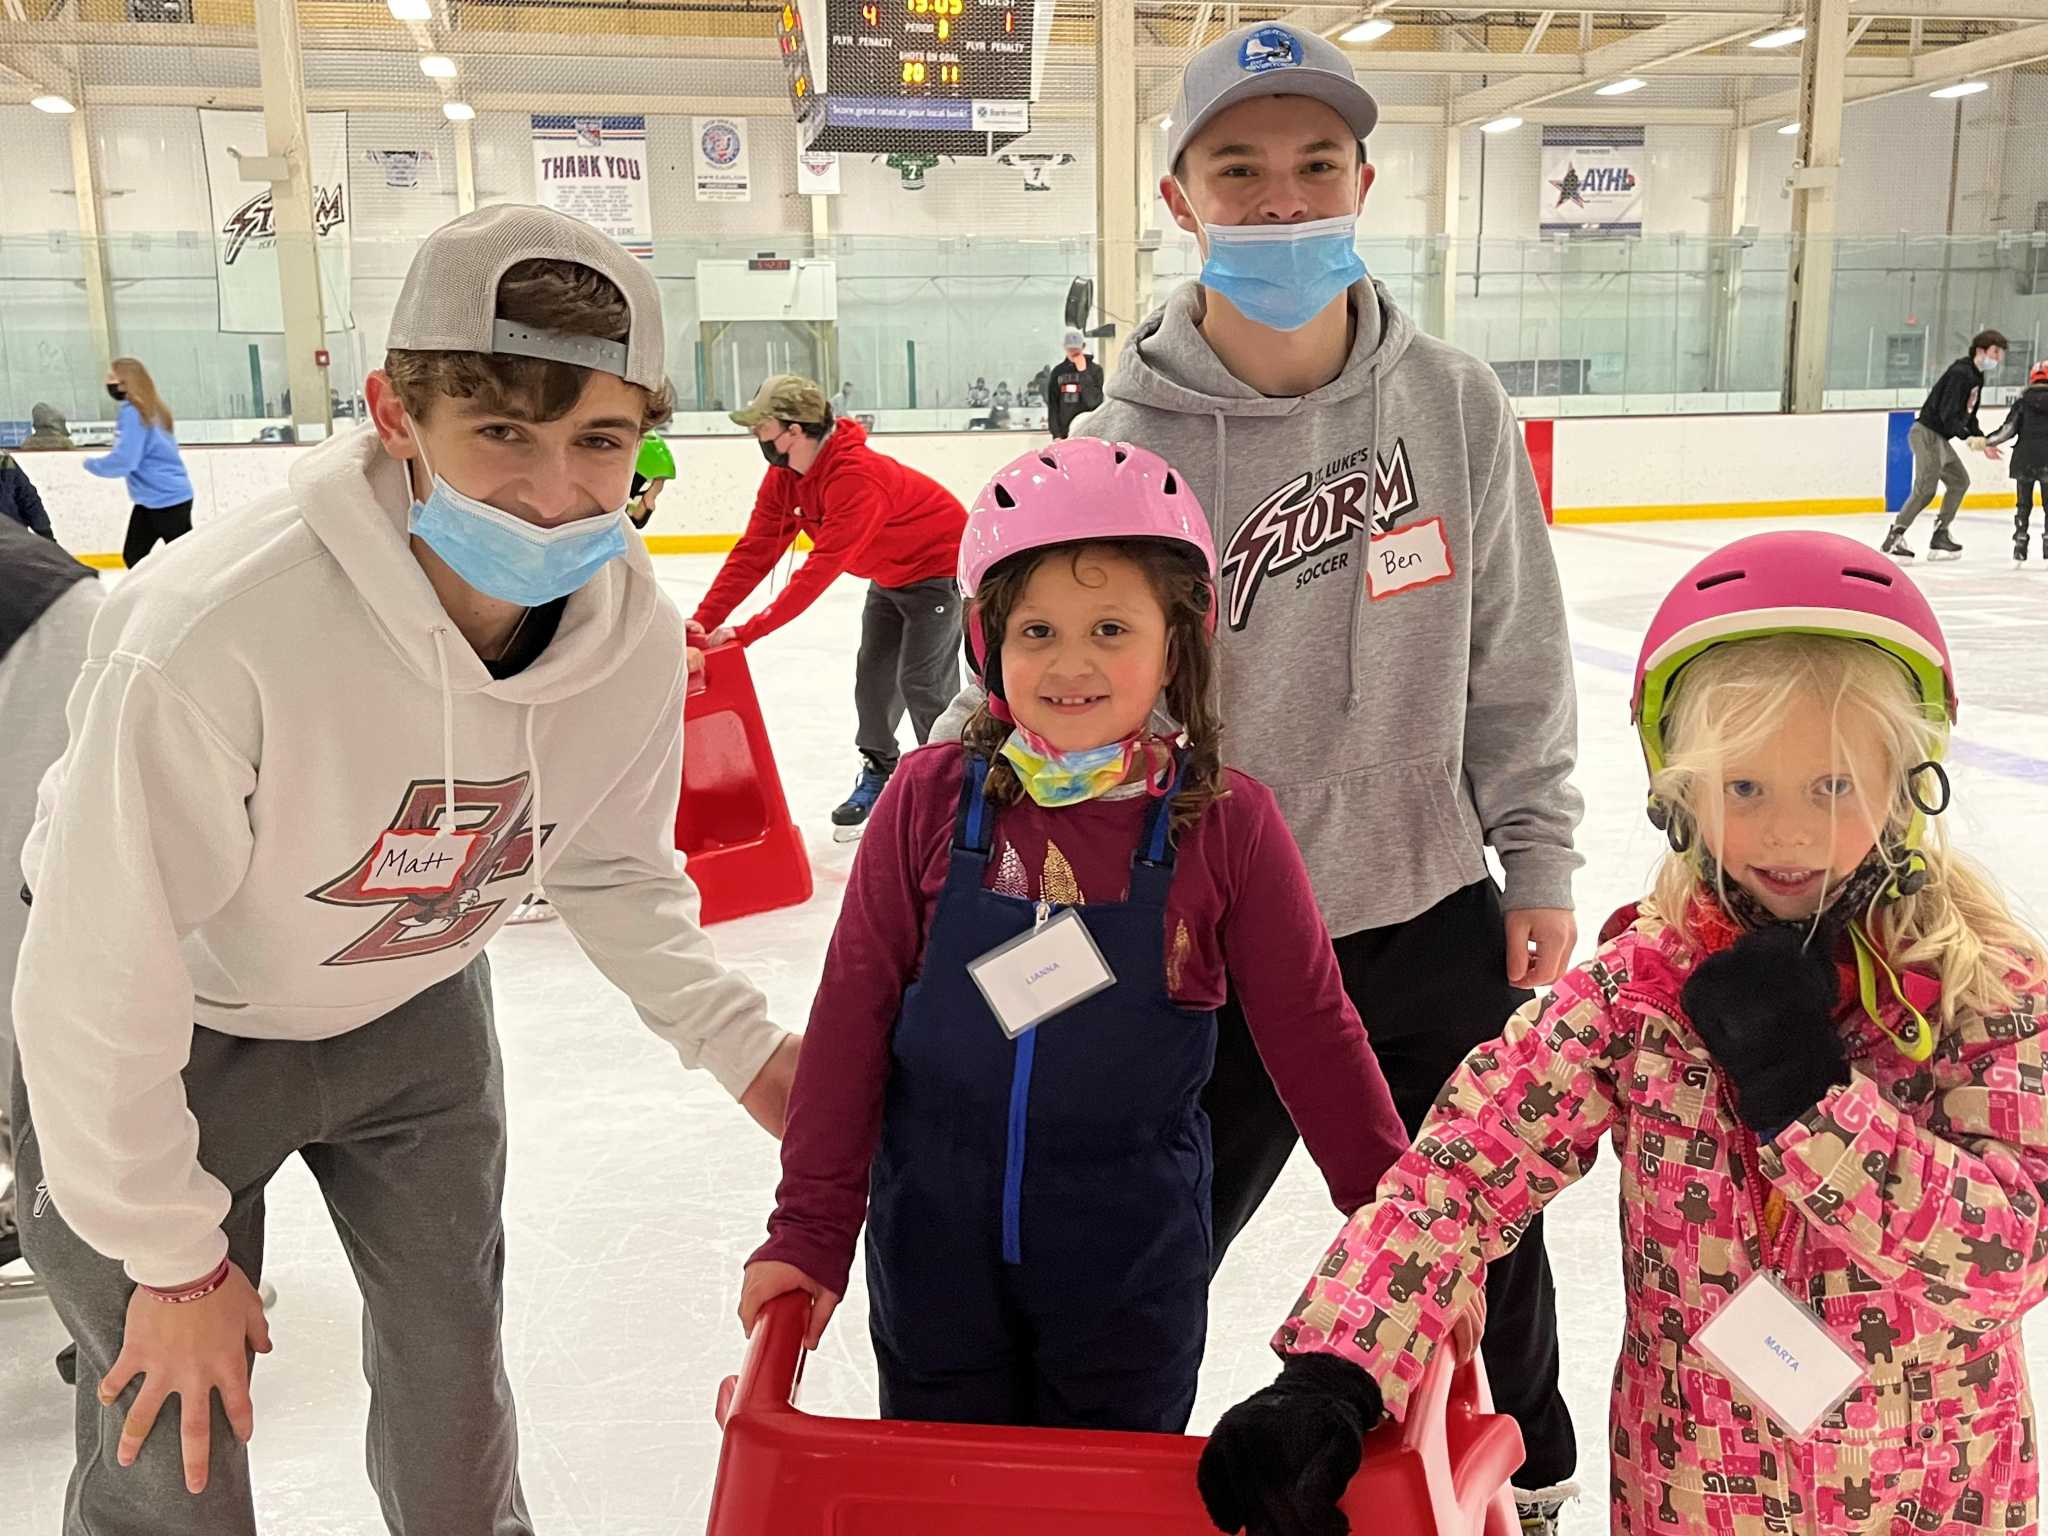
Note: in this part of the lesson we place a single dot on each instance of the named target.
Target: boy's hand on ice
(190, 1349)
(1540, 941)
(767, 1280)
(1766, 1009)
(1279, 1461)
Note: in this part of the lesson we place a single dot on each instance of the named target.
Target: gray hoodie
(1394, 661)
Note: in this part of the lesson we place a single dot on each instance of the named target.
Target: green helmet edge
(656, 461)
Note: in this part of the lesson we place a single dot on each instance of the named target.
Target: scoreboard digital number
(965, 50)
(796, 59)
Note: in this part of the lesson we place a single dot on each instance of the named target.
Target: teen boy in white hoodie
(318, 753)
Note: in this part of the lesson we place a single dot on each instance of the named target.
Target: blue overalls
(1039, 1237)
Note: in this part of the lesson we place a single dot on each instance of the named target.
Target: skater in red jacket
(870, 515)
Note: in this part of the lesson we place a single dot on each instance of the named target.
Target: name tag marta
(1041, 973)
(1782, 1356)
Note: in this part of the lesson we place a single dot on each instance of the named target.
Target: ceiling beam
(1571, 66)
(1626, 56)
(1536, 32)
(423, 99)
(1944, 66)
(396, 38)
(1926, 10)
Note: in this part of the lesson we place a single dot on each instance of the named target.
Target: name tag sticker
(1041, 973)
(422, 863)
(1408, 558)
(1781, 1355)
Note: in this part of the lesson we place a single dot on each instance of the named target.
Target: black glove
(1766, 1009)
(1280, 1460)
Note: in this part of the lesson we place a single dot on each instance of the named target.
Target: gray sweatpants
(402, 1122)
(1934, 458)
(909, 658)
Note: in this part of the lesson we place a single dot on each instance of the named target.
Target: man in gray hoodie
(1394, 662)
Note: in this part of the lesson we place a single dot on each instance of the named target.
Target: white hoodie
(242, 831)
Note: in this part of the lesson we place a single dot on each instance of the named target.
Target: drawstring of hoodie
(1222, 470)
(540, 891)
(1356, 701)
(440, 634)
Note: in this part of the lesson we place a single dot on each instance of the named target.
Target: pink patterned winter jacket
(1907, 1209)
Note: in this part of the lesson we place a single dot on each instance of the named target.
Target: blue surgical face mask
(1282, 275)
(506, 557)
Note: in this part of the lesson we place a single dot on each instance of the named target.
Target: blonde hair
(141, 390)
(1735, 697)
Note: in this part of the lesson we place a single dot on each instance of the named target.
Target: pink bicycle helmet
(1078, 491)
(1798, 583)
(1790, 583)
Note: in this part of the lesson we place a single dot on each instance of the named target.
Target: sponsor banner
(244, 220)
(595, 169)
(1593, 181)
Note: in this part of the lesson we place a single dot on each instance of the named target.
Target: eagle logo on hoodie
(428, 875)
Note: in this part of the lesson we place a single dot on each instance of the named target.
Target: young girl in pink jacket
(1815, 1047)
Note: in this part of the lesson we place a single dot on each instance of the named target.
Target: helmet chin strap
(1895, 869)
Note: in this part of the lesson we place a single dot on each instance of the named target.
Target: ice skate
(534, 909)
(1943, 547)
(1540, 1509)
(1895, 545)
(850, 818)
(17, 1280)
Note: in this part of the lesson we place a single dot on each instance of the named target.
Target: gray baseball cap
(1267, 59)
(449, 302)
(1073, 341)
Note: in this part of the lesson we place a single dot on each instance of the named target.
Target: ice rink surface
(636, 1190)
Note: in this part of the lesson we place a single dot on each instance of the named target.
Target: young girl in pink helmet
(1003, 1068)
(1815, 1047)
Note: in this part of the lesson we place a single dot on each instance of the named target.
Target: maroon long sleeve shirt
(1240, 916)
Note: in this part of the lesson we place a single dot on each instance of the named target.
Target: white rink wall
(1612, 468)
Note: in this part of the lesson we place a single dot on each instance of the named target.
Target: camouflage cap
(785, 397)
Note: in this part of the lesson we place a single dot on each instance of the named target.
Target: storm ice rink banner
(1593, 180)
(595, 169)
(244, 220)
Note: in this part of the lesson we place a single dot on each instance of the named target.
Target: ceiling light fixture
(1962, 88)
(1368, 31)
(1621, 87)
(1784, 37)
(57, 105)
(1500, 125)
(437, 67)
(1789, 128)
(410, 10)
(457, 111)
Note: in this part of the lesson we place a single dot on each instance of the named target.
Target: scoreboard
(972, 50)
(948, 76)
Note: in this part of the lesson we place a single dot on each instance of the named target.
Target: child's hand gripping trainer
(1280, 1460)
(769, 1279)
(1765, 1008)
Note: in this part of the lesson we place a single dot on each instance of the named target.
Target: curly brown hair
(549, 295)
(1187, 595)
